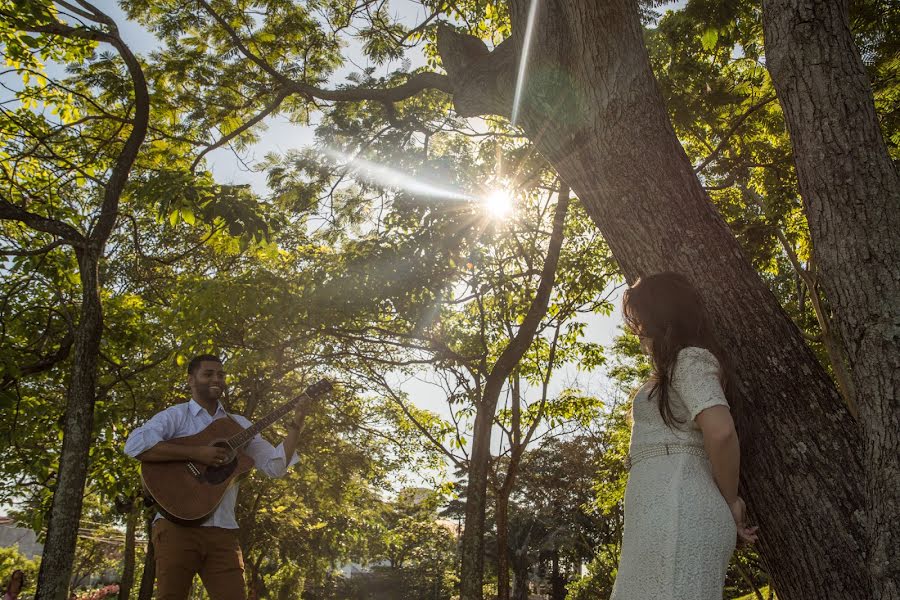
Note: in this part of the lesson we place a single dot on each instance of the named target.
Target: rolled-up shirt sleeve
(159, 428)
(268, 458)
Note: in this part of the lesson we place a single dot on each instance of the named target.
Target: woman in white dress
(683, 514)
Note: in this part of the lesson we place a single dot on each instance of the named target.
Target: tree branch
(414, 85)
(236, 39)
(731, 131)
(122, 169)
(44, 364)
(41, 250)
(265, 112)
(517, 347)
(11, 212)
(61, 29)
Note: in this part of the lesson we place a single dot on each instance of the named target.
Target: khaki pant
(182, 552)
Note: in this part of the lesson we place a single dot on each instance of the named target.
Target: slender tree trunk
(520, 572)
(836, 353)
(557, 581)
(592, 107)
(472, 546)
(148, 576)
(746, 577)
(851, 191)
(833, 346)
(62, 526)
(127, 582)
(502, 519)
(65, 512)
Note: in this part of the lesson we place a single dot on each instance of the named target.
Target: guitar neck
(248, 434)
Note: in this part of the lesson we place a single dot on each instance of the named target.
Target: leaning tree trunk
(851, 192)
(65, 512)
(592, 107)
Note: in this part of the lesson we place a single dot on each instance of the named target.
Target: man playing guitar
(210, 549)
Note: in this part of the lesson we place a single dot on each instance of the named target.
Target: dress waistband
(652, 450)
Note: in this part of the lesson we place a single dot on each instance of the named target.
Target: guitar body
(186, 492)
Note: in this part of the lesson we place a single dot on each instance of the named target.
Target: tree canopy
(629, 137)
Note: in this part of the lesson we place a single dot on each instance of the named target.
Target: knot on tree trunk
(483, 81)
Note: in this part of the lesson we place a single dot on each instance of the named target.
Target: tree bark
(592, 107)
(472, 546)
(520, 572)
(502, 519)
(833, 347)
(851, 192)
(62, 526)
(65, 512)
(128, 569)
(148, 577)
(557, 581)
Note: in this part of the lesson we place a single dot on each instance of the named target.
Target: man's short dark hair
(195, 362)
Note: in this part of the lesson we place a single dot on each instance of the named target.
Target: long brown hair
(668, 310)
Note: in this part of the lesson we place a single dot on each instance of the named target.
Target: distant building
(23, 537)
(351, 570)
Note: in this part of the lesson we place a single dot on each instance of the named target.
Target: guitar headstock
(319, 388)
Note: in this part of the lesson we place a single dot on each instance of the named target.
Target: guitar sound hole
(218, 474)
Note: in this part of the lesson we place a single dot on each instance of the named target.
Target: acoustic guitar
(186, 492)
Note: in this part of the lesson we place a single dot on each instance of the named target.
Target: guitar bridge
(194, 470)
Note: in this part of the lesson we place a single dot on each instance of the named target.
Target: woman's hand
(746, 534)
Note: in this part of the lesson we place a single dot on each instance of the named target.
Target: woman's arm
(722, 446)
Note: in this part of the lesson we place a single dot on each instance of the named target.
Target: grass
(751, 596)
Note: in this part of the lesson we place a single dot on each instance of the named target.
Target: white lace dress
(679, 533)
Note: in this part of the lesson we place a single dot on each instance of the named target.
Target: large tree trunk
(65, 513)
(592, 107)
(851, 192)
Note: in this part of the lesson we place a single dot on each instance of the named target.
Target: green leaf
(709, 39)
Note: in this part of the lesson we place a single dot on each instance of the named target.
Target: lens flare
(523, 62)
(385, 176)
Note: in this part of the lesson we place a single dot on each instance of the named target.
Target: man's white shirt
(189, 418)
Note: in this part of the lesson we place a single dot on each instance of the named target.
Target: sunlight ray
(381, 175)
(523, 61)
